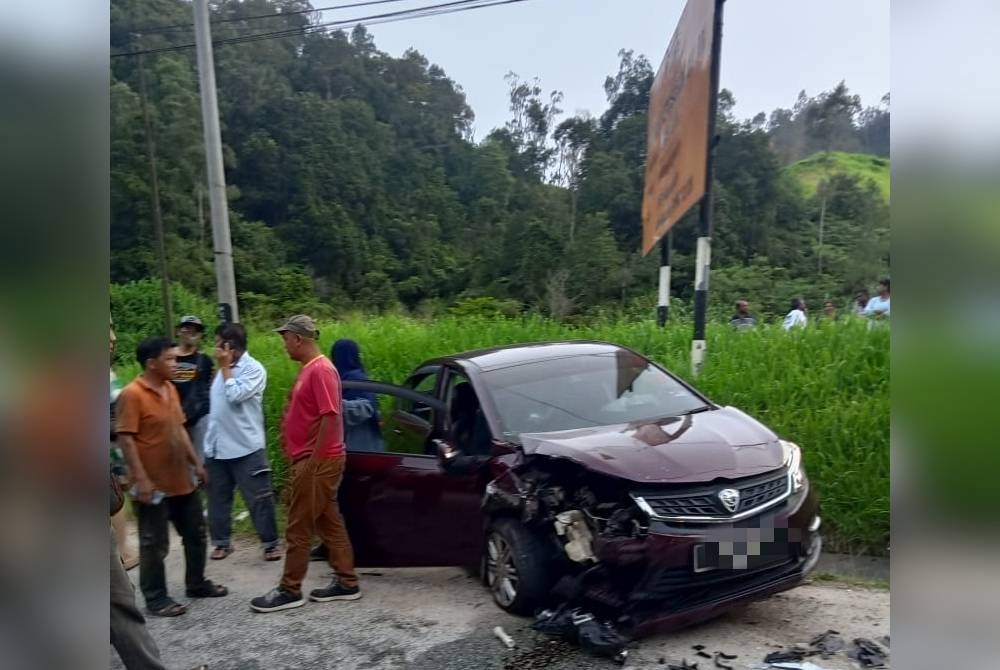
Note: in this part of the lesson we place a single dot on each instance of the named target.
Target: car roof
(494, 358)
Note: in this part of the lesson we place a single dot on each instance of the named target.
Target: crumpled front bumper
(652, 581)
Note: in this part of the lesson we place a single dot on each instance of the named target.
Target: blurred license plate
(738, 555)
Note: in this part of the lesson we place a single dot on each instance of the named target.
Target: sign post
(680, 143)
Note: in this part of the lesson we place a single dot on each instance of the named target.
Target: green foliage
(809, 172)
(354, 183)
(137, 311)
(484, 307)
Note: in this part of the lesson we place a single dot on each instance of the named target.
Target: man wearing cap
(193, 380)
(312, 433)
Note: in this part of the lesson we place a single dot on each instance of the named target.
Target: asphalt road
(442, 619)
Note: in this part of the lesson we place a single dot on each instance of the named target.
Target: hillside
(809, 171)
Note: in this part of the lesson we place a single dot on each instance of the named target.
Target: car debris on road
(600, 638)
(867, 653)
(502, 635)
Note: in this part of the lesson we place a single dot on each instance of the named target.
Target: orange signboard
(677, 143)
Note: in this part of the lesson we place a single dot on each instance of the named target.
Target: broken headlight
(793, 461)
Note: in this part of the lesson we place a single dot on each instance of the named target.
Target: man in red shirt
(312, 433)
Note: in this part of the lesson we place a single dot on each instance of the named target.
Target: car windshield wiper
(696, 410)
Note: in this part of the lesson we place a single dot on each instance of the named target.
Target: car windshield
(585, 391)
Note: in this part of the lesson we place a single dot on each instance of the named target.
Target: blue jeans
(252, 475)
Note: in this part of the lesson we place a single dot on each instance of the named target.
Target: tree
(572, 137)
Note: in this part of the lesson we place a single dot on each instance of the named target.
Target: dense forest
(354, 182)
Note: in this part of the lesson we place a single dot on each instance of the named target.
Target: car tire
(516, 566)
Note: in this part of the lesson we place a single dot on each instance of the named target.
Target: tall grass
(825, 387)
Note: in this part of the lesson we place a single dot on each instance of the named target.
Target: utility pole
(822, 217)
(703, 259)
(161, 248)
(221, 242)
(663, 306)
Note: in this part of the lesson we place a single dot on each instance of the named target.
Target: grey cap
(300, 324)
(191, 320)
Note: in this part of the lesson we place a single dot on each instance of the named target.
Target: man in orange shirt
(149, 422)
(313, 439)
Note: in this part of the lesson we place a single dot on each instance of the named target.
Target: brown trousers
(313, 509)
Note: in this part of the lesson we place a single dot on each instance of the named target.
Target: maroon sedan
(582, 472)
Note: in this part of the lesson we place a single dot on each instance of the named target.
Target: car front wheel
(515, 567)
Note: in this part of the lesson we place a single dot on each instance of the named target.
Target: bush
(484, 307)
(137, 310)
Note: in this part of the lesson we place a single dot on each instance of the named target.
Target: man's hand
(199, 472)
(223, 356)
(143, 489)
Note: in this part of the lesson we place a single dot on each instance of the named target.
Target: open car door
(400, 506)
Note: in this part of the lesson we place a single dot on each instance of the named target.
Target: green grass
(825, 387)
(810, 171)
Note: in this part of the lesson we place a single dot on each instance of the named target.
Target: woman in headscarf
(361, 417)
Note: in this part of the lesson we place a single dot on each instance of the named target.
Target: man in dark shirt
(743, 318)
(193, 380)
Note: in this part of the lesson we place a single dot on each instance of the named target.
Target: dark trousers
(185, 513)
(129, 634)
(313, 508)
(252, 475)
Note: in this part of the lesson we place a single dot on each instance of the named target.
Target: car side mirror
(446, 451)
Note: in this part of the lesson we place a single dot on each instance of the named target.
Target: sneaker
(318, 553)
(277, 599)
(334, 592)
(273, 554)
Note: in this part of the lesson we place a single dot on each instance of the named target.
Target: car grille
(703, 503)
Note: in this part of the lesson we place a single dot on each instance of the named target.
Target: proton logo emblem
(730, 499)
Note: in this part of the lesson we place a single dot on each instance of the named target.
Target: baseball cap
(191, 320)
(300, 324)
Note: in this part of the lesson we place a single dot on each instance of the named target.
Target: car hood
(721, 443)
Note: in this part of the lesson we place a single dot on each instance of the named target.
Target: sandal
(130, 562)
(220, 553)
(207, 590)
(169, 610)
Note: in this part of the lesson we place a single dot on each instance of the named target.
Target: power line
(189, 26)
(389, 17)
(376, 19)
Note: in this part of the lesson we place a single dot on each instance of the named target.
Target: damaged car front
(632, 497)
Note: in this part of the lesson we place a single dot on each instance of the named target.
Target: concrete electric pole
(219, 207)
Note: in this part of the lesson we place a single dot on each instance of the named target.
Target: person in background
(830, 311)
(313, 439)
(877, 308)
(860, 302)
(235, 453)
(150, 426)
(193, 379)
(743, 318)
(361, 418)
(119, 519)
(796, 317)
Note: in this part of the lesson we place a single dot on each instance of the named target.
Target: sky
(771, 49)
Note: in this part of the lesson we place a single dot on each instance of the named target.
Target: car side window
(425, 381)
(466, 421)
